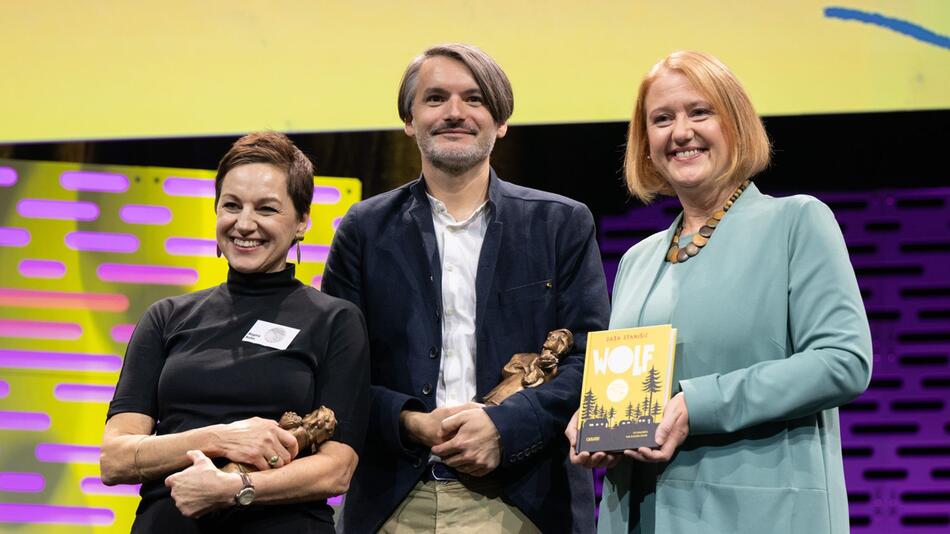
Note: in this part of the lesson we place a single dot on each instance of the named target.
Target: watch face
(245, 496)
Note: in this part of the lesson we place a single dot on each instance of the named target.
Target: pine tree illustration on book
(626, 384)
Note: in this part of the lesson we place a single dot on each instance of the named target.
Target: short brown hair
(492, 81)
(742, 128)
(278, 150)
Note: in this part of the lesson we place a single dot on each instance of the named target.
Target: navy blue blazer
(539, 269)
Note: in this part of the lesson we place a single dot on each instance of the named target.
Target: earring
(217, 250)
(298, 251)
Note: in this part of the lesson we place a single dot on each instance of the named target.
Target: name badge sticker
(271, 335)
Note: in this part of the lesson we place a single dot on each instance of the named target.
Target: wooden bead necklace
(700, 238)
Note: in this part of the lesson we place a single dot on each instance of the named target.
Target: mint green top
(661, 299)
(772, 337)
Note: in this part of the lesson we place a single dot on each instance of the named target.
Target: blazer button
(426, 389)
(416, 462)
(433, 352)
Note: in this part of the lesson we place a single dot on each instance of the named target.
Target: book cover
(628, 375)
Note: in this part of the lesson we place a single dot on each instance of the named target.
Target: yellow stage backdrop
(84, 250)
(119, 69)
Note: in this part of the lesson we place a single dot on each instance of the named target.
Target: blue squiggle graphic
(900, 26)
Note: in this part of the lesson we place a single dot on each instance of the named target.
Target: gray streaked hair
(492, 81)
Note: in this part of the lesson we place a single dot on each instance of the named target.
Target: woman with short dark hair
(207, 375)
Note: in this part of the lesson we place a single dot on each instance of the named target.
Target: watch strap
(245, 495)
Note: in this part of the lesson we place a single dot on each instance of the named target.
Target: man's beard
(456, 160)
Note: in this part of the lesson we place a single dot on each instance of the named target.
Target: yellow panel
(116, 69)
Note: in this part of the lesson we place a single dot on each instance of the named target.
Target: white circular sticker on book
(617, 390)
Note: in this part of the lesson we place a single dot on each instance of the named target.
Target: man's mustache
(453, 128)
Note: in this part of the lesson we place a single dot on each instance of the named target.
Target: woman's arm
(828, 331)
(829, 334)
(203, 488)
(131, 454)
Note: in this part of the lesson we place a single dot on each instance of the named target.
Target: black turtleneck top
(186, 366)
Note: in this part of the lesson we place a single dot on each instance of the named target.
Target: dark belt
(438, 471)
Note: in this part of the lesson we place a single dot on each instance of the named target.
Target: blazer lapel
(690, 286)
(420, 213)
(645, 276)
(485, 277)
(412, 246)
(488, 257)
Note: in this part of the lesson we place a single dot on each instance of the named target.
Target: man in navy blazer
(455, 272)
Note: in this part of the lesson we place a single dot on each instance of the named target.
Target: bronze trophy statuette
(310, 431)
(529, 370)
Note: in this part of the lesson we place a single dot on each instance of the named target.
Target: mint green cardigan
(772, 337)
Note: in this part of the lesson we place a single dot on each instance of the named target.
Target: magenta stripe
(8, 176)
(189, 187)
(55, 515)
(14, 237)
(35, 421)
(64, 453)
(145, 214)
(22, 482)
(83, 392)
(335, 501)
(325, 195)
(190, 246)
(77, 210)
(42, 269)
(122, 333)
(102, 242)
(4, 388)
(39, 329)
(146, 274)
(59, 361)
(336, 222)
(102, 182)
(317, 280)
(309, 253)
(94, 486)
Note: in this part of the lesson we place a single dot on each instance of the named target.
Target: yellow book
(628, 376)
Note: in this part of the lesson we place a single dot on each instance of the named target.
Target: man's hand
(202, 488)
(670, 434)
(475, 448)
(426, 428)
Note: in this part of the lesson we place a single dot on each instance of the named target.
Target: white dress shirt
(460, 243)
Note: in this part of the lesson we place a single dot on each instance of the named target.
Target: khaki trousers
(451, 507)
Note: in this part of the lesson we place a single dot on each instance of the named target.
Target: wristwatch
(247, 494)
